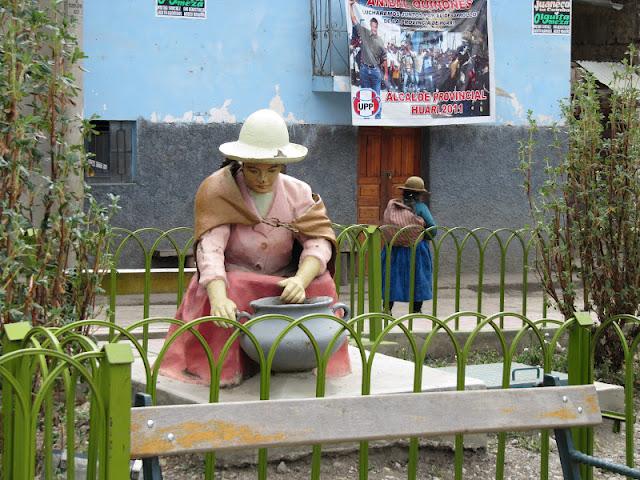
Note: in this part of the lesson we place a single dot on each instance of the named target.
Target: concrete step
(611, 397)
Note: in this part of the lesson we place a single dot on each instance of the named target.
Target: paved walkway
(130, 307)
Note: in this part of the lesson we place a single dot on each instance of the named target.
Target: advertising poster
(551, 17)
(420, 62)
(194, 9)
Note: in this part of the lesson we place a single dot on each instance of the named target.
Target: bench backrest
(177, 429)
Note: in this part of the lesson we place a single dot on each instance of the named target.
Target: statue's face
(260, 177)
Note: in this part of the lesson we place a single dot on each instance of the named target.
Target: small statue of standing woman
(258, 233)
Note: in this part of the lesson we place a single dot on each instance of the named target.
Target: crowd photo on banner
(408, 63)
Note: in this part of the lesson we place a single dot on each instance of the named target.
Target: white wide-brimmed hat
(264, 138)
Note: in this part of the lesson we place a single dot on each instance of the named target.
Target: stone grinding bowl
(295, 353)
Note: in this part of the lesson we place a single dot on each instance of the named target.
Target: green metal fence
(463, 257)
(41, 370)
(46, 371)
(42, 367)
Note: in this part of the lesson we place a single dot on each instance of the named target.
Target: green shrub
(53, 233)
(585, 213)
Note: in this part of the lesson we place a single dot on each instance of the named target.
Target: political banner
(191, 9)
(420, 62)
(551, 17)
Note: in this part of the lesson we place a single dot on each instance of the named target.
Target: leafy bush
(53, 233)
(585, 214)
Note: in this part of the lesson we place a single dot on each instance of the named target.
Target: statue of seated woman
(258, 233)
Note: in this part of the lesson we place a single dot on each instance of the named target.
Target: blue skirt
(401, 271)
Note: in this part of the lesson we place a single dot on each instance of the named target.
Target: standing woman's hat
(414, 184)
(264, 138)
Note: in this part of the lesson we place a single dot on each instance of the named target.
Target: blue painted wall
(258, 54)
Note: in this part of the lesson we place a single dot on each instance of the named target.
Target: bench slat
(197, 428)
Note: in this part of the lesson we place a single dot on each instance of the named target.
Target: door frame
(424, 171)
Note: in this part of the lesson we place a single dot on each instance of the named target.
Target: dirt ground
(522, 461)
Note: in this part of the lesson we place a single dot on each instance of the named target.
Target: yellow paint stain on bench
(202, 436)
(225, 432)
(592, 403)
(561, 414)
(589, 404)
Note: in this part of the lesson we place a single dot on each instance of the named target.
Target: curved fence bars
(473, 269)
(143, 244)
(44, 377)
(41, 368)
(482, 293)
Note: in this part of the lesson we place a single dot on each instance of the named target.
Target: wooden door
(387, 157)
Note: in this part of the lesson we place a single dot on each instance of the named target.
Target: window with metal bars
(113, 149)
(330, 49)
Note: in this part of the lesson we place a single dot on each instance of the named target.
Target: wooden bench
(178, 429)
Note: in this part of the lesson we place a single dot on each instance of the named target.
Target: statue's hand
(293, 290)
(221, 306)
(224, 308)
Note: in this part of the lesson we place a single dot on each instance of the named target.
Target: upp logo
(366, 103)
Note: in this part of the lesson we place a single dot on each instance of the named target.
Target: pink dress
(251, 260)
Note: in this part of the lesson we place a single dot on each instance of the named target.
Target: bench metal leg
(150, 466)
(570, 468)
(564, 441)
(570, 458)
(579, 457)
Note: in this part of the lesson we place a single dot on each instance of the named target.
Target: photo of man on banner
(425, 63)
(373, 55)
